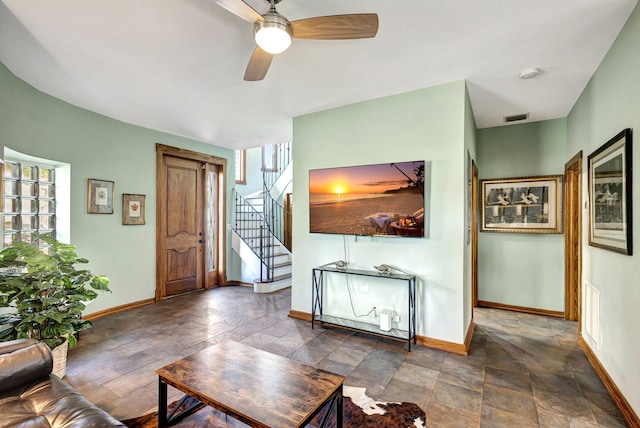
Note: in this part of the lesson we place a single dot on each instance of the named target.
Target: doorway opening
(573, 237)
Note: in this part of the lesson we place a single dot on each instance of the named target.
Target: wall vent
(592, 313)
(516, 117)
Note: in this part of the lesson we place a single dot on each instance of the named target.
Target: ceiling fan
(273, 32)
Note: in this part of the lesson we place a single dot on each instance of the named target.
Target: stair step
(251, 233)
(279, 255)
(265, 246)
(273, 250)
(274, 279)
(280, 265)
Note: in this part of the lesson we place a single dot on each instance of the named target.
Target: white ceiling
(178, 65)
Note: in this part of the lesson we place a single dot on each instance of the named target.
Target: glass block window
(29, 204)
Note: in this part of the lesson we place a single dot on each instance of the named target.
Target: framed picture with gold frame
(100, 196)
(133, 209)
(522, 205)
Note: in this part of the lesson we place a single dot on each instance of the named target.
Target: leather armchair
(30, 396)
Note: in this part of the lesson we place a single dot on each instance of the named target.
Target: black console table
(317, 293)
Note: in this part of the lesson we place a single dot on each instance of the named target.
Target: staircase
(259, 226)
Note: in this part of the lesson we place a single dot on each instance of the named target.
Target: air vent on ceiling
(516, 117)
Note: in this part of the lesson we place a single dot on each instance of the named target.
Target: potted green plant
(45, 293)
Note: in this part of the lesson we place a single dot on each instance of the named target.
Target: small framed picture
(610, 197)
(100, 196)
(133, 209)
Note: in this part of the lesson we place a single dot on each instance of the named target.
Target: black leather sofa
(30, 396)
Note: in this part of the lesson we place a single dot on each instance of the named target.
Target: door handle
(201, 241)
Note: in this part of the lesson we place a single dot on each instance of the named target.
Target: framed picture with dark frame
(610, 214)
(100, 196)
(133, 209)
(522, 205)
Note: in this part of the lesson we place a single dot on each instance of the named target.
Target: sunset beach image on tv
(381, 199)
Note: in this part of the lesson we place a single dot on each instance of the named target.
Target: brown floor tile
(379, 365)
(507, 365)
(349, 355)
(604, 410)
(374, 388)
(278, 349)
(564, 383)
(440, 416)
(463, 377)
(523, 370)
(280, 328)
(469, 362)
(551, 419)
(518, 382)
(416, 375)
(311, 355)
(335, 367)
(494, 418)
(509, 401)
(607, 419)
(570, 407)
(409, 392)
(457, 397)
(425, 357)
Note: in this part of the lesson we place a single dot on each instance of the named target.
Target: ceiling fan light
(273, 34)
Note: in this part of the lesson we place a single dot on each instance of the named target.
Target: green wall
(427, 124)
(470, 143)
(98, 147)
(522, 269)
(254, 173)
(610, 103)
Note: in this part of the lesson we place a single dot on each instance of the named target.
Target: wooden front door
(190, 219)
(182, 255)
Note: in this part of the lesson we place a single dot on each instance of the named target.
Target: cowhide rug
(359, 411)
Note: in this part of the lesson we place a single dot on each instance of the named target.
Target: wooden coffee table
(254, 386)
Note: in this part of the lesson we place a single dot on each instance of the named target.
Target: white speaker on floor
(385, 320)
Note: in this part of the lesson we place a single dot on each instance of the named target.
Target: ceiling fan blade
(241, 9)
(337, 27)
(258, 65)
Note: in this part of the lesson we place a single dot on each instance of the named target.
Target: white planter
(60, 359)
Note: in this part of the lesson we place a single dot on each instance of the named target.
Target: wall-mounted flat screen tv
(381, 199)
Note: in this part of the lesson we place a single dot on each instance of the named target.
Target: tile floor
(523, 370)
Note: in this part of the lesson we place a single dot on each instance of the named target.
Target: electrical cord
(346, 277)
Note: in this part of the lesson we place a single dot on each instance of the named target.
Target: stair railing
(274, 212)
(276, 165)
(261, 230)
(251, 227)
